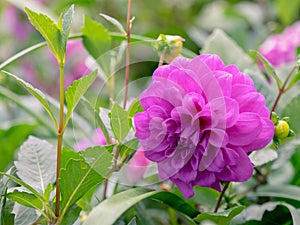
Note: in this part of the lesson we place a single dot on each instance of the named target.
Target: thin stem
(127, 54)
(221, 196)
(60, 135)
(282, 89)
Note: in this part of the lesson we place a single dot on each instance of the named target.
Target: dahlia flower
(201, 119)
(281, 48)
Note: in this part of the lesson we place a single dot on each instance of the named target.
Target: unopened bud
(169, 46)
(282, 129)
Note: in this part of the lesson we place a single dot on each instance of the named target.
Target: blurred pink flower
(98, 139)
(137, 166)
(281, 48)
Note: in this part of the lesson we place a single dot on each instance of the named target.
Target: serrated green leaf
(74, 187)
(64, 24)
(35, 93)
(280, 191)
(100, 158)
(68, 154)
(111, 209)
(25, 199)
(135, 108)
(114, 22)
(119, 122)
(49, 30)
(97, 41)
(22, 183)
(294, 80)
(292, 110)
(71, 216)
(220, 218)
(76, 91)
(129, 147)
(36, 163)
(267, 66)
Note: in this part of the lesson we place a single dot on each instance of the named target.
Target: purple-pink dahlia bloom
(201, 119)
(280, 49)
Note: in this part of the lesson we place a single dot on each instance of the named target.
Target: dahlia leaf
(292, 111)
(111, 209)
(71, 215)
(97, 41)
(100, 158)
(49, 30)
(64, 24)
(74, 187)
(114, 22)
(129, 147)
(279, 191)
(132, 221)
(22, 183)
(36, 163)
(256, 212)
(220, 218)
(119, 122)
(35, 93)
(135, 108)
(259, 158)
(294, 80)
(24, 215)
(25, 199)
(268, 66)
(76, 91)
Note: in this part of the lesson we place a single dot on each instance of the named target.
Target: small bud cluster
(282, 128)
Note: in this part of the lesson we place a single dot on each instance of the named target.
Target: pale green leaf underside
(114, 22)
(35, 93)
(36, 164)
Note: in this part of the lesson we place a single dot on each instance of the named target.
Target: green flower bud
(282, 129)
(169, 46)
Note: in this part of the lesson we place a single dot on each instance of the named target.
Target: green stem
(282, 88)
(221, 196)
(127, 54)
(60, 133)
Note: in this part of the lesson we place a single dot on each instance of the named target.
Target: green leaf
(220, 218)
(10, 140)
(25, 199)
(36, 164)
(287, 10)
(111, 209)
(100, 158)
(256, 212)
(49, 30)
(97, 42)
(76, 91)
(64, 24)
(267, 66)
(68, 154)
(71, 216)
(114, 22)
(132, 221)
(22, 183)
(74, 187)
(119, 122)
(35, 93)
(129, 147)
(292, 110)
(294, 80)
(98, 119)
(280, 191)
(135, 108)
